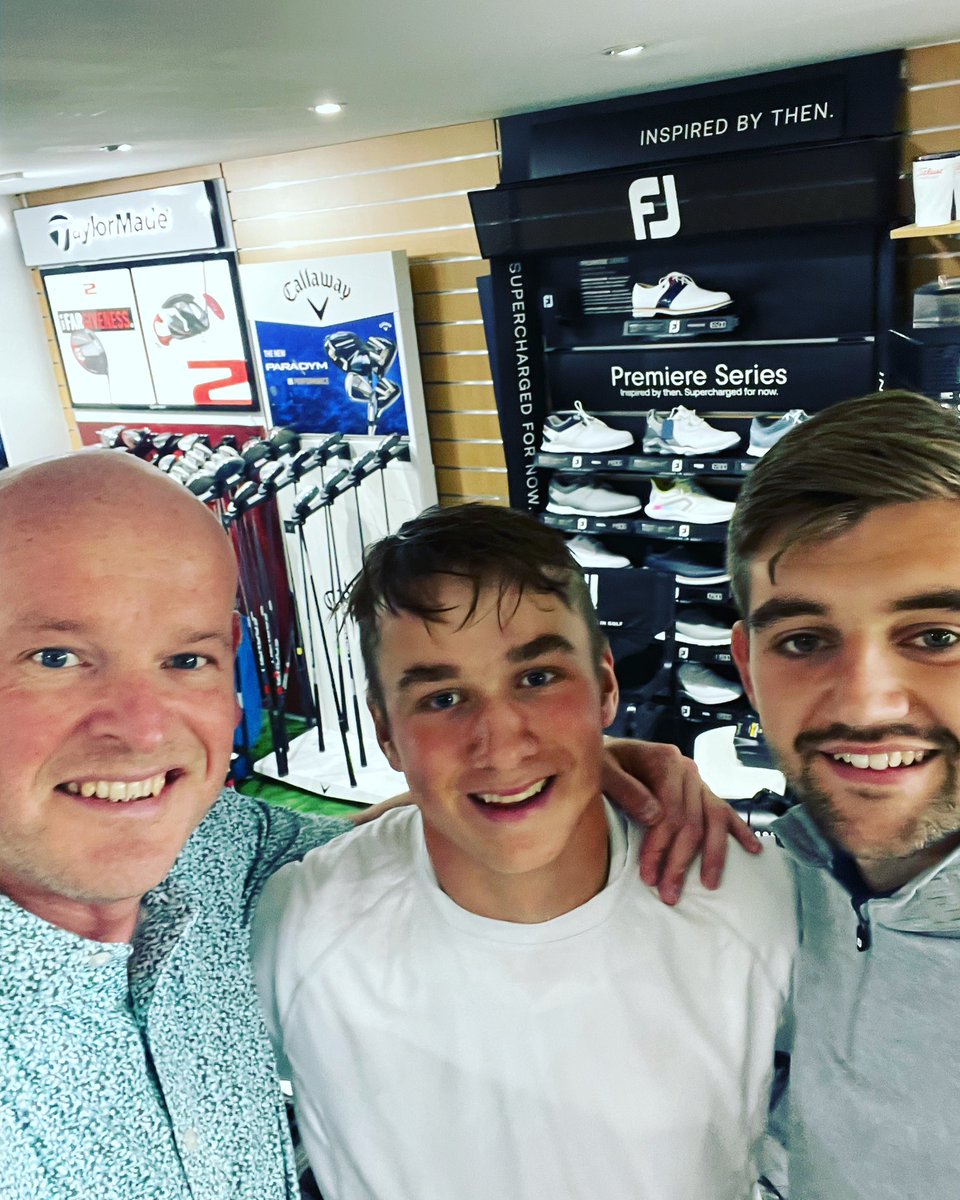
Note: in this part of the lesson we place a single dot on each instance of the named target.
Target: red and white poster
(157, 336)
(192, 334)
(101, 343)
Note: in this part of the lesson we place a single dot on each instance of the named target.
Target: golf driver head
(111, 438)
(382, 352)
(164, 443)
(286, 440)
(348, 352)
(180, 317)
(88, 351)
(189, 440)
(387, 392)
(359, 387)
(204, 487)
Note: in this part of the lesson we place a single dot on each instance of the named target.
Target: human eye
(441, 701)
(935, 639)
(799, 645)
(188, 662)
(55, 658)
(537, 678)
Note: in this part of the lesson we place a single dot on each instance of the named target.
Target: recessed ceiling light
(113, 147)
(330, 109)
(10, 176)
(623, 51)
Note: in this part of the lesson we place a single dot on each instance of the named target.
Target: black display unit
(778, 191)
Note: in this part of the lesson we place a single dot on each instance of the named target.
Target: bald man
(133, 1060)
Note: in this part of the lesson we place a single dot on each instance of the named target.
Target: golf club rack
(300, 510)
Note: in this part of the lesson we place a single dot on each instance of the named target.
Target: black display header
(849, 98)
(817, 185)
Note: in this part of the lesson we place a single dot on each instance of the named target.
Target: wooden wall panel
(409, 193)
(397, 185)
(933, 107)
(448, 338)
(932, 64)
(372, 154)
(468, 367)
(444, 275)
(482, 426)
(117, 187)
(454, 485)
(456, 242)
(460, 397)
(362, 221)
(468, 454)
(932, 103)
(460, 305)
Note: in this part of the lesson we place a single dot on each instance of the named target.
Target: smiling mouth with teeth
(883, 762)
(514, 798)
(117, 791)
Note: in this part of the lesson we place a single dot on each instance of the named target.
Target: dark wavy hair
(486, 545)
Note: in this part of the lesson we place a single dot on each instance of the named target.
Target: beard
(930, 821)
(937, 820)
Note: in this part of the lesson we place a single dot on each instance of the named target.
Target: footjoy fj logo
(644, 195)
(59, 229)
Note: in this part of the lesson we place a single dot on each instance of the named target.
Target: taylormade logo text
(643, 196)
(67, 234)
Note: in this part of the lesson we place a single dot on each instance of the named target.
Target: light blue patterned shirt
(143, 1071)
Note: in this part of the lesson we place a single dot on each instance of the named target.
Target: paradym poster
(336, 342)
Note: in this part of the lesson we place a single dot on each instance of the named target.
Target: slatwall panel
(405, 192)
(931, 124)
(89, 191)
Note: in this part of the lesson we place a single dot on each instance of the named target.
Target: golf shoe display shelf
(713, 593)
(672, 531)
(736, 713)
(646, 464)
(709, 655)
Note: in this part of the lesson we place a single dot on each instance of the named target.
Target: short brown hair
(826, 474)
(484, 544)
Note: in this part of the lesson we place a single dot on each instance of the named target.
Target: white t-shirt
(622, 1051)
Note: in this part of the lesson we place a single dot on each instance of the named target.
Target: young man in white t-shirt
(477, 997)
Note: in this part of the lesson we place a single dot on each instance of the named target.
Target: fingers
(739, 829)
(628, 793)
(687, 840)
(713, 856)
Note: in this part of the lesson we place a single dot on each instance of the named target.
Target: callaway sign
(135, 225)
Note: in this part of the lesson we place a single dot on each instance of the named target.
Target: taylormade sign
(136, 225)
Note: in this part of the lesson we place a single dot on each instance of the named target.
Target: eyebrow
(65, 625)
(547, 643)
(784, 608)
(948, 598)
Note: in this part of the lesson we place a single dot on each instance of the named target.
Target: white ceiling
(197, 81)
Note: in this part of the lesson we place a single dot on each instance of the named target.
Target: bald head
(81, 501)
(117, 641)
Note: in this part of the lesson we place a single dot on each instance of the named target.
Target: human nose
(870, 687)
(131, 711)
(502, 735)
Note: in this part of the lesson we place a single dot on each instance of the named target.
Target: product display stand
(674, 303)
(336, 351)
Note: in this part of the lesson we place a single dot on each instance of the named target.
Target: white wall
(32, 424)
